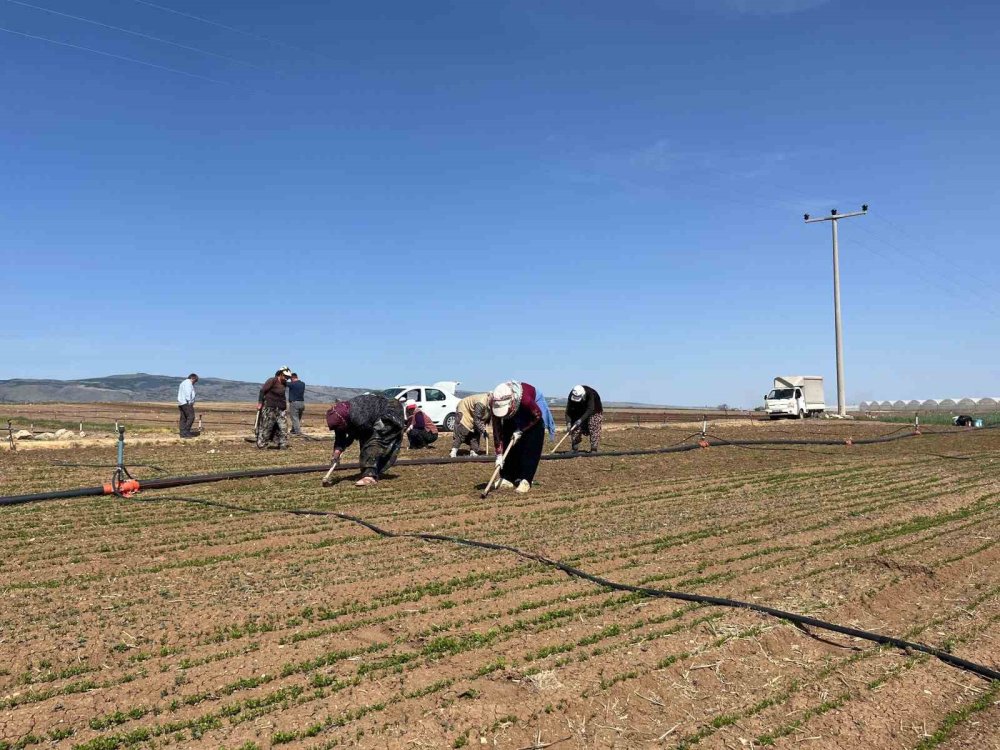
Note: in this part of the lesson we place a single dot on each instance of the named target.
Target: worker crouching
(377, 423)
(420, 429)
(471, 417)
(517, 422)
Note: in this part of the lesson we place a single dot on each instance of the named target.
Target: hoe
(495, 479)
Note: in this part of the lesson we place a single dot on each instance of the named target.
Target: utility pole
(833, 218)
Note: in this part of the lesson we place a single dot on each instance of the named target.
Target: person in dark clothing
(963, 420)
(296, 392)
(517, 418)
(585, 416)
(420, 429)
(376, 422)
(271, 403)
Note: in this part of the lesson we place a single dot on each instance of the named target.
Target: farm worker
(470, 423)
(271, 403)
(963, 420)
(296, 402)
(420, 429)
(375, 421)
(185, 402)
(517, 418)
(584, 416)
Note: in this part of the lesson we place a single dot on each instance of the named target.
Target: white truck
(795, 396)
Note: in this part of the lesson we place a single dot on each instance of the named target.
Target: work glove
(500, 461)
(454, 453)
(516, 435)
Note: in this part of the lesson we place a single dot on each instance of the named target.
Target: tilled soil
(160, 620)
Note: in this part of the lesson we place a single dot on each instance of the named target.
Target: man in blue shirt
(296, 402)
(185, 402)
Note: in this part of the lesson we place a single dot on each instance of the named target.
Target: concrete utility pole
(833, 218)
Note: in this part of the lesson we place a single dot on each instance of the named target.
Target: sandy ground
(159, 620)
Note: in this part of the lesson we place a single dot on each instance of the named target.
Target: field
(160, 621)
(228, 418)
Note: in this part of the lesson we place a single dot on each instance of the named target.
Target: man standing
(296, 402)
(271, 403)
(185, 402)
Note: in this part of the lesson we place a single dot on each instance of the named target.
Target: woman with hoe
(518, 422)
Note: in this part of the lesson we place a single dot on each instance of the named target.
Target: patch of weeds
(783, 731)
(503, 721)
(492, 667)
(427, 690)
(116, 718)
(952, 720)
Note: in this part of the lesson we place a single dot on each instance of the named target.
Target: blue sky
(609, 193)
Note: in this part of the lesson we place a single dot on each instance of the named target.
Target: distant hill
(141, 386)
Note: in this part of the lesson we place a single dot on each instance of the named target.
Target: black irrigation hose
(58, 495)
(798, 620)
(181, 481)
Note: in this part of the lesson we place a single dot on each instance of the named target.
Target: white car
(437, 401)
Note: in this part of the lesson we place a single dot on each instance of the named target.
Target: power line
(937, 283)
(962, 289)
(235, 30)
(949, 262)
(136, 33)
(111, 55)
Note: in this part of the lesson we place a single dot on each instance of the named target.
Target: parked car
(437, 401)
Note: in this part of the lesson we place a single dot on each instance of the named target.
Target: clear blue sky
(558, 192)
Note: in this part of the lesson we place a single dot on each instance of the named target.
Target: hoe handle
(329, 475)
(563, 438)
(496, 472)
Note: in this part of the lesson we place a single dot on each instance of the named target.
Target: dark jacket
(581, 411)
(296, 391)
(272, 393)
(361, 413)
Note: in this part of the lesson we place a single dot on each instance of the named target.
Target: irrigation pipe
(718, 601)
(182, 481)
